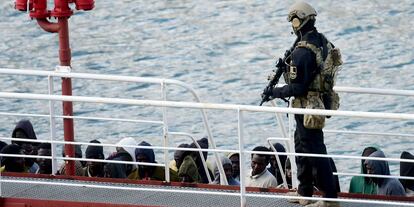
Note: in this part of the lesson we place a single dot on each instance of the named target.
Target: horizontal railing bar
(83, 117)
(118, 187)
(214, 150)
(23, 114)
(278, 138)
(81, 159)
(203, 192)
(110, 119)
(94, 76)
(160, 80)
(368, 133)
(176, 104)
(376, 91)
(374, 175)
(116, 145)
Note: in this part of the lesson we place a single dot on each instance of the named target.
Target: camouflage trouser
(312, 169)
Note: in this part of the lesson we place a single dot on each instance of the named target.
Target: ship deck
(94, 192)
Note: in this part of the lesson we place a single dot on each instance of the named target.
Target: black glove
(277, 92)
(280, 64)
(268, 91)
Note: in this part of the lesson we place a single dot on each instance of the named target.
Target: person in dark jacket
(274, 168)
(12, 164)
(407, 169)
(118, 170)
(45, 164)
(146, 172)
(185, 165)
(94, 169)
(228, 170)
(24, 129)
(386, 186)
(203, 142)
(235, 163)
(78, 164)
(361, 184)
(300, 69)
(2, 144)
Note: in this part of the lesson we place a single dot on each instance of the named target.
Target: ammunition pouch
(311, 121)
(312, 101)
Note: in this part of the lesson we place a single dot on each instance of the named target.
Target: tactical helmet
(299, 14)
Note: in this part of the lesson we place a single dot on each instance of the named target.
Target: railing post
(1, 181)
(292, 158)
(242, 159)
(165, 133)
(52, 125)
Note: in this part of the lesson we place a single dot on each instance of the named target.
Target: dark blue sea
(224, 50)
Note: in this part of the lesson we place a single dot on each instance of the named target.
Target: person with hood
(228, 170)
(360, 184)
(407, 169)
(24, 130)
(94, 169)
(118, 170)
(146, 172)
(259, 176)
(179, 156)
(187, 169)
(274, 168)
(2, 145)
(203, 142)
(12, 164)
(45, 164)
(78, 164)
(386, 186)
(288, 174)
(235, 164)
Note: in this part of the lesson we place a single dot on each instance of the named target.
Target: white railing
(240, 109)
(162, 82)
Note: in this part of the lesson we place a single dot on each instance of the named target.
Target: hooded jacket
(118, 170)
(275, 169)
(203, 142)
(230, 179)
(407, 169)
(386, 186)
(27, 127)
(189, 168)
(360, 184)
(151, 172)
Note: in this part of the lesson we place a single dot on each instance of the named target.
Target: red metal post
(62, 11)
(65, 57)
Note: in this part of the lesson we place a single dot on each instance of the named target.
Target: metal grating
(118, 196)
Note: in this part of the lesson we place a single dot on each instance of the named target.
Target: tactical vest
(320, 94)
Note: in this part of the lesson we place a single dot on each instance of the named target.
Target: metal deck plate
(138, 194)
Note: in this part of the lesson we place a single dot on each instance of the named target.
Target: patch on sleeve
(293, 72)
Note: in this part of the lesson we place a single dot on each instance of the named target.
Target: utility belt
(313, 100)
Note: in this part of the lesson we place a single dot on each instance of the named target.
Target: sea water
(224, 50)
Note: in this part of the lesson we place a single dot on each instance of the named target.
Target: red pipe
(48, 26)
(65, 57)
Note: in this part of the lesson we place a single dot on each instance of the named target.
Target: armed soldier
(309, 72)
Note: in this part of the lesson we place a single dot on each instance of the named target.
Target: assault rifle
(281, 68)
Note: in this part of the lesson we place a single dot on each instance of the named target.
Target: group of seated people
(187, 166)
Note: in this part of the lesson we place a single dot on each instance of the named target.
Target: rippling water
(224, 50)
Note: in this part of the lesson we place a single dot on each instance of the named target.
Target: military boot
(324, 204)
(301, 201)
